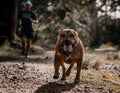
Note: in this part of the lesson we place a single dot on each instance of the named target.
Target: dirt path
(35, 76)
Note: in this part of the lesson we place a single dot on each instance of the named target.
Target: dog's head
(67, 40)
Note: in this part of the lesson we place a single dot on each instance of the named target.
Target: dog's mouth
(67, 47)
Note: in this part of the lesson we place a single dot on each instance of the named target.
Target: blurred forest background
(97, 21)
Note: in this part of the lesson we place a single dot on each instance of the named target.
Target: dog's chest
(68, 60)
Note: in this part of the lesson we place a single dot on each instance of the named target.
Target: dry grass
(102, 70)
(101, 79)
(8, 50)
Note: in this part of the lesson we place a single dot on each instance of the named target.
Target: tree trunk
(13, 20)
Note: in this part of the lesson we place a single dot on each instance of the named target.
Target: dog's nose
(67, 42)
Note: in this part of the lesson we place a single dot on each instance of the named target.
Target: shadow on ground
(28, 60)
(53, 87)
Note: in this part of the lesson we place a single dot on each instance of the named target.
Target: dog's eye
(62, 35)
(71, 35)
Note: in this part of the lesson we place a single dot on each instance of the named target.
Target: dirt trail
(35, 76)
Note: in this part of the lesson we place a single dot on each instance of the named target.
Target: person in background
(26, 18)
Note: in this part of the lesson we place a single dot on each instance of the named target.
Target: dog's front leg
(64, 71)
(79, 64)
(56, 67)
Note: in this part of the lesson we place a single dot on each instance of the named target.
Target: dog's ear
(75, 29)
(59, 31)
(75, 32)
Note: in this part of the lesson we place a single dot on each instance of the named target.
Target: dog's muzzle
(67, 47)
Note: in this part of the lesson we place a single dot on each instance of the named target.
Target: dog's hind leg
(69, 69)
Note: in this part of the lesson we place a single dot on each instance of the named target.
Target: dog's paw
(77, 81)
(55, 76)
(63, 79)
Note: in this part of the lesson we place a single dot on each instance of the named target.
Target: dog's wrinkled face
(68, 39)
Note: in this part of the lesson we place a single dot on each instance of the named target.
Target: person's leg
(24, 44)
(23, 41)
(29, 36)
(29, 42)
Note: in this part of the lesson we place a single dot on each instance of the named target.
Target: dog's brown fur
(75, 55)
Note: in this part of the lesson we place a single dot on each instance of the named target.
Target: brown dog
(69, 49)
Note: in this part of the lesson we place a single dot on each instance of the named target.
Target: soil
(35, 75)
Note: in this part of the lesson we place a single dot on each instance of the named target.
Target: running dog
(70, 50)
